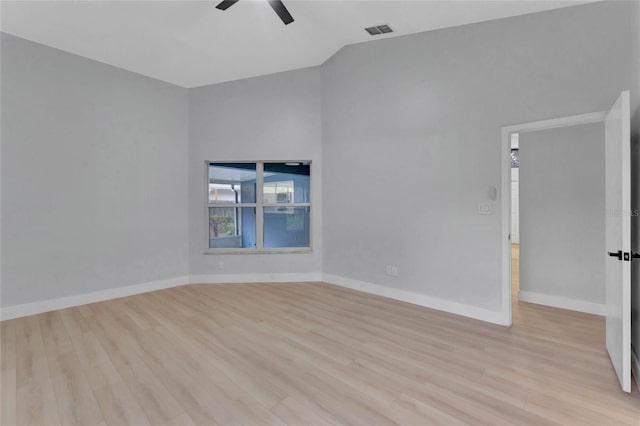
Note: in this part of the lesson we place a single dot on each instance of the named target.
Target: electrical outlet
(392, 271)
(221, 265)
(484, 208)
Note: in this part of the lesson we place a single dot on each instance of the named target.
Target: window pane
(232, 183)
(286, 227)
(232, 227)
(286, 183)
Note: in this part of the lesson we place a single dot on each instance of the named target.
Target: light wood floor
(515, 274)
(256, 354)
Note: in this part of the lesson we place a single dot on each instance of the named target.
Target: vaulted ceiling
(191, 43)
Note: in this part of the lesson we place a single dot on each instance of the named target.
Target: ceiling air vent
(380, 29)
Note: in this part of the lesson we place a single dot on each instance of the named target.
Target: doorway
(558, 225)
(512, 137)
(515, 217)
(615, 249)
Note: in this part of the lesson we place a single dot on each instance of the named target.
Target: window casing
(258, 207)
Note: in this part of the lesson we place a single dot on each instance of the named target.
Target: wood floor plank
(74, 321)
(407, 410)
(302, 353)
(76, 401)
(95, 362)
(54, 333)
(293, 412)
(36, 401)
(184, 383)
(119, 406)
(157, 402)
(35, 398)
(8, 386)
(85, 310)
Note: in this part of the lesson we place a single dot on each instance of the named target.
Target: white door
(618, 229)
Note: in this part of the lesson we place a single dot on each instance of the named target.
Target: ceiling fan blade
(226, 4)
(281, 11)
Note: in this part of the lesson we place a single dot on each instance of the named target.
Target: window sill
(262, 251)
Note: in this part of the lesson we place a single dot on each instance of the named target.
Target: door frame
(505, 154)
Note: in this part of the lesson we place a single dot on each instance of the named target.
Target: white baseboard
(495, 317)
(41, 306)
(38, 307)
(254, 278)
(635, 366)
(562, 302)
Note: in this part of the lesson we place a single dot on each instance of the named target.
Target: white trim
(635, 366)
(448, 306)
(495, 317)
(17, 311)
(505, 159)
(41, 306)
(572, 120)
(244, 250)
(33, 308)
(259, 206)
(230, 205)
(286, 204)
(515, 141)
(562, 302)
(255, 278)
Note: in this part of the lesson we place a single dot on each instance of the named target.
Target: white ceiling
(191, 43)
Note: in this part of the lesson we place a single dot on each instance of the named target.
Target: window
(259, 207)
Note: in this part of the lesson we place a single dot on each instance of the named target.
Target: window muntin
(259, 207)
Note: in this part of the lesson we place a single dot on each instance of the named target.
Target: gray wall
(413, 119)
(94, 176)
(274, 117)
(562, 223)
(411, 134)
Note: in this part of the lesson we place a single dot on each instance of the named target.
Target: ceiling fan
(276, 5)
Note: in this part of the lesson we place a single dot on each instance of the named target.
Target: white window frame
(259, 205)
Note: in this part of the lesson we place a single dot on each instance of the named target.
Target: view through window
(259, 205)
